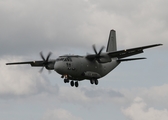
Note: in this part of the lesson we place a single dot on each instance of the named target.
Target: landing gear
(66, 81)
(76, 84)
(72, 83)
(94, 81)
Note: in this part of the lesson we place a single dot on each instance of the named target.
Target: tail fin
(112, 44)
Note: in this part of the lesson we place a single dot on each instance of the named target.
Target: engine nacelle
(50, 66)
(105, 59)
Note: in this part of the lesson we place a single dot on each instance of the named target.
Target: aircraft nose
(58, 67)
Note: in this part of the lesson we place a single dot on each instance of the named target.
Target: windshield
(66, 59)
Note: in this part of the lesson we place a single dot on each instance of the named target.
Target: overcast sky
(135, 90)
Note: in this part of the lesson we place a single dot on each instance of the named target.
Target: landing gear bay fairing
(75, 68)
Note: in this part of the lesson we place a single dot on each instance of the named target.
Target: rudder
(112, 44)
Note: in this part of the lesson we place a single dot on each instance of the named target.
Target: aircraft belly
(89, 70)
(108, 67)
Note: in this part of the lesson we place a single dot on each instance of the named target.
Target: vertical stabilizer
(112, 44)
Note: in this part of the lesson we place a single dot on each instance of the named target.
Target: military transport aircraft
(74, 68)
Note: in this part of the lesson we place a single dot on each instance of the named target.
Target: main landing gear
(76, 84)
(94, 81)
(72, 83)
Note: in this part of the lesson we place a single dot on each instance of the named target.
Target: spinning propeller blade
(45, 61)
(98, 54)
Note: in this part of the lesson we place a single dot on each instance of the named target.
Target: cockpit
(65, 59)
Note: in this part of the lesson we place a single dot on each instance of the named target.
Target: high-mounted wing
(98, 56)
(130, 52)
(106, 57)
(48, 64)
(32, 63)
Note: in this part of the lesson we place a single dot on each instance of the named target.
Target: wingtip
(155, 45)
(9, 63)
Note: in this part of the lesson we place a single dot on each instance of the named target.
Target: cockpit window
(67, 59)
(60, 59)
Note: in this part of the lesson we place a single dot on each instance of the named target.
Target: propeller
(98, 54)
(45, 61)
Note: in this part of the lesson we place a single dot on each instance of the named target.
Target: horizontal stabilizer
(130, 59)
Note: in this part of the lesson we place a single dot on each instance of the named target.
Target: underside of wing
(130, 52)
(49, 65)
(129, 59)
(32, 63)
(45, 62)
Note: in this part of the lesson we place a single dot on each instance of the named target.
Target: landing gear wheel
(76, 84)
(72, 83)
(91, 81)
(96, 82)
(66, 81)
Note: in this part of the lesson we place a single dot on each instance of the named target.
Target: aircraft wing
(45, 62)
(130, 52)
(32, 63)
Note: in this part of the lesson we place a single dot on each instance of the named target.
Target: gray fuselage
(79, 68)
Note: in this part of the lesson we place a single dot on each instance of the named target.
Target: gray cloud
(96, 93)
(28, 27)
(21, 82)
(139, 111)
(31, 26)
(59, 114)
(118, 6)
(86, 96)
